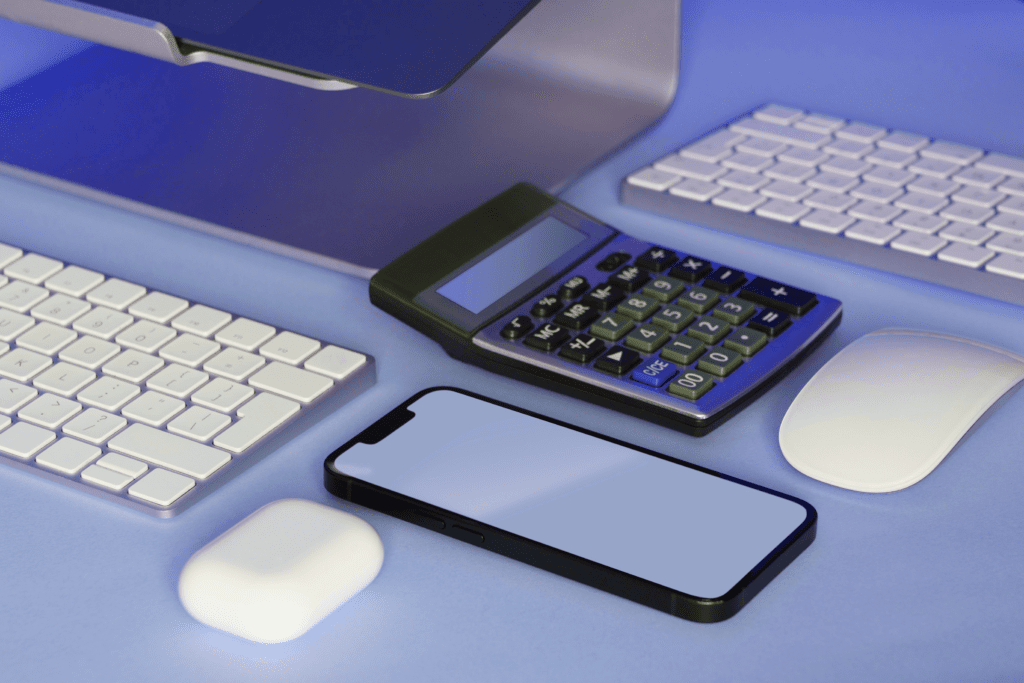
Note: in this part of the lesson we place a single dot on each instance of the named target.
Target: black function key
(630, 278)
(604, 298)
(656, 259)
(770, 322)
(577, 316)
(582, 349)
(546, 307)
(573, 287)
(547, 338)
(618, 361)
(517, 327)
(690, 269)
(790, 299)
(725, 279)
(613, 261)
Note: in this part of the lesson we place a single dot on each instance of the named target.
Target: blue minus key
(655, 372)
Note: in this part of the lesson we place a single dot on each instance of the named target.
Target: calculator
(530, 287)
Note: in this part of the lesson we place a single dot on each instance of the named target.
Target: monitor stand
(350, 180)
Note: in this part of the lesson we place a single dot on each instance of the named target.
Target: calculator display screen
(510, 266)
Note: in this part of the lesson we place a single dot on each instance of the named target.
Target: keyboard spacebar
(169, 450)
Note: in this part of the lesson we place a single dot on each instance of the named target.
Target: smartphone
(673, 536)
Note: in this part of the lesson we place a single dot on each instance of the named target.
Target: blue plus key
(655, 372)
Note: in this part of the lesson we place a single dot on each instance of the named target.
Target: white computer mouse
(886, 410)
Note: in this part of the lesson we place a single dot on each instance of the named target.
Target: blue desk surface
(920, 585)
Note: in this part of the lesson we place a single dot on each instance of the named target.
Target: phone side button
(467, 535)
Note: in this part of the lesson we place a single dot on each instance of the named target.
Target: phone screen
(683, 528)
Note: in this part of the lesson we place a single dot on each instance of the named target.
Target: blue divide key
(655, 372)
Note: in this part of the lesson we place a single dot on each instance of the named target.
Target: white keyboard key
(190, 350)
(102, 322)
(653, 179)
(918, 201)
(22, 365)
(861, 132)
(783, 189)
(978, 177)
(873, 211)
(751, 163)
(1014, 205)
(779, 133)
(177, 380)
(68, 456)
(846, 166)
(876, 192)
(168, 450)
(23, 440)
(832, 182)
(919, 243)
(89, 352)
(60, 309)
(1006, 222)
(978, 196)
(966, 233)
(690, 168)
(781, 210)
(739, 200)
(122, 464)
(803, 157)
(830, 201)
(223, 395)
(939, 187)
(1004, 242)
(761, 147)
(4, 421)
(714, 147)
(201, 320)
(21, 296)
(948, 151)
(819, 123)
(294, 383)
(891, 158)
(697, 190)
(161, 487)
(966, 255)
(145, 336)
(919, 222)
(1010, 265)
(198, 423)
(743, 180)
(967, 213)
(33, 268)
(335, 362)
(107, 478)
(153, 408)
(94, 426)
(12, 324)
(827, 221)
(1002, 163)
(14, 395)
(289, 347)
(158, 307)
(234, 364)
(245, 334)
(108, 393)
(133, 366)
(872, 232)
(63, 379)
(1014, 186)
(259, 416)
(73, 281)
(116, 294)
(785, 170)
(889, 176)
(936, 168)
(776, 113)
(49, 410)
(46, 338)
(8, 254)
(903, 142)
(848, 148)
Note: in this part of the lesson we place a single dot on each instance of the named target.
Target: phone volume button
(467, 535)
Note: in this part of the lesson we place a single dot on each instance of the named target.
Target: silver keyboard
(146, 398)
(928, 209)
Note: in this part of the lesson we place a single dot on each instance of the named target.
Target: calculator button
(630, 278)
(746, 341)
(613, 261)
(789, 299)
(573, 287)
(690, 269)
(709, 329)
(698, 299)
(664, 288)
(692, 384)
(546, 307)
(638, 307)
(656, 259)
(604, 298)
(720, 361)
(770, 322)
(617, 361)
(655, 372)
(683, 350)
(582, 349)
(673, 318)
(517, 327)
(612, 327)
(547, 338)
(647, 338)
(577, 316)
(734, 311)
(725, 279)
